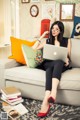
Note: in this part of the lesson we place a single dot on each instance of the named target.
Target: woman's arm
(38, 44)
(69, 47)
(43, 35)
(69, 52)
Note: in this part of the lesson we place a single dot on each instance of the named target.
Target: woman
(53, 68)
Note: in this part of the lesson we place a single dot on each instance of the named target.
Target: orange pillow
(16, 49)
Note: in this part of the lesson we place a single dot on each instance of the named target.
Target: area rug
(57, 111)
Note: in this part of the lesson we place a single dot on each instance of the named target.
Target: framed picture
(48, 11)
(48, 0)
(25, 1)
(35, 0)
(67, 12)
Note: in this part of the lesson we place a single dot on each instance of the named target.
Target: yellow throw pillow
(16, 49)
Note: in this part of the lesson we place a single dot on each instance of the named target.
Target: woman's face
(55, 30)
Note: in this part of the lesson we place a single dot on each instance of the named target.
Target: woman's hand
(46, 32)
(43, 35)
(67, 62)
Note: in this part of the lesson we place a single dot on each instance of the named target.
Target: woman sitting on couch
(53, 68)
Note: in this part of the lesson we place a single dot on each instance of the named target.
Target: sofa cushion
(32, 57)
(69, 80)
(75, 54)
(26, 75)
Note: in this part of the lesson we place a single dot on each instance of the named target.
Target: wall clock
(34, 10)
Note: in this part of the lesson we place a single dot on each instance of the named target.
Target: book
(14, 100)
(11, 99)
(10, 91)
(14, 112)
(12, 103)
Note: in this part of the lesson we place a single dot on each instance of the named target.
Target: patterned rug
(57, 111)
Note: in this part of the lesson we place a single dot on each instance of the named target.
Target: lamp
(68, 1)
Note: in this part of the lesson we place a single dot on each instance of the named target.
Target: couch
(31, 81)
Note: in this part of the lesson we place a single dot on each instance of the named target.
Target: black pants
(53, 69)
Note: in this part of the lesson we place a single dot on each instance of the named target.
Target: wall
(30, 26)
(9, 20)
(5, 22)
(1, 20)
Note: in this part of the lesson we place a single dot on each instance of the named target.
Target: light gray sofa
(31, 81)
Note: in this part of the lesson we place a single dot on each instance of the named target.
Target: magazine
(14, 112)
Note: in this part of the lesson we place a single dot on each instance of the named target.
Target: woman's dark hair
(60, 36)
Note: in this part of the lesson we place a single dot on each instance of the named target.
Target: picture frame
(67, 11)
(49, 0)
(35, 0)
(48, 11)
(25, 1)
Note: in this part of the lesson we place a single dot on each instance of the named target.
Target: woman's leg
(53, 74)
(48, 85)
(48, 69)
(55, 83)
(58, 67)
(45, 103)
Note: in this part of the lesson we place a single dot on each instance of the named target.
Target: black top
(63, 43)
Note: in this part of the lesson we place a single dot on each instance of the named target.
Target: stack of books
(11, 95)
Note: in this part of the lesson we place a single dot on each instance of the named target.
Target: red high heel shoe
(51, 100)
(40, 114)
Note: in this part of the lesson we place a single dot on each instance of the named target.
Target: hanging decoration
(68, 1)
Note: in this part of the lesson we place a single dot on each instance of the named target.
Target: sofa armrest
(8, 63)
(4, 64)
(75, 55)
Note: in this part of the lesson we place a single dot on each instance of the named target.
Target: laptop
(52, 52)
